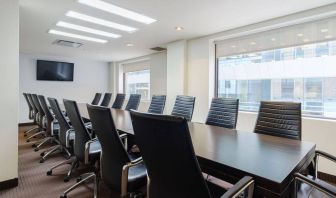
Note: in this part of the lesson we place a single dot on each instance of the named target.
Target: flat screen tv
(54, 71)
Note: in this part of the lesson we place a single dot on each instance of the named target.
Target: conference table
(232, 154)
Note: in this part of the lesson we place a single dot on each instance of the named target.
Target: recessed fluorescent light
(306, 40)
(76, 36)
(118, 11)
(129, 44)
(233, 46)
(178, 28)
(324, 30)
(86, 29)
(99, 21)
(328, 36)
(273, 39)
(299, 35)
(253, 43)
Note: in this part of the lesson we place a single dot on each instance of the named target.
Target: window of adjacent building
(295, 64)
(138, 82)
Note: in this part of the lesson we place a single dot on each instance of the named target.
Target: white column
(9, 86)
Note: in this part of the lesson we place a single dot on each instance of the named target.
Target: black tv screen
(54, 71)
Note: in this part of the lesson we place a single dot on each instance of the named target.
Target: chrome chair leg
(35, 135)
(69, 161)
(55, 148)
(45, 140)
(89, 176)
(30, 130)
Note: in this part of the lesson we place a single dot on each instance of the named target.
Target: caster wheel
(42, 154)
(63, 196)
(78, 179)
(36, 149)
(34, 145)
(27, 140)
(25, 135)
(42, 161)
(66, 179)
(49, 172)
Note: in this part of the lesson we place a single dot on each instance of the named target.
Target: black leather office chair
(119, 170)
(184, 107)
(133, 102)
(312, 186)
(52, 128)
(66, 136)
(157, 104)
(86, 149)
(119, 101)
(32, 113)
(39, 119)
(96, 99)
(168, 153)
(281, 119)
(106, 100)
(223, 112)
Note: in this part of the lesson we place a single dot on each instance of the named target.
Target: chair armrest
(87, 150)
(321, 186)
(124, 174)
(246, 182)
(68, 132)
(325, 155)
(123, 136)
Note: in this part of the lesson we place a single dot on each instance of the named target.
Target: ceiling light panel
(99, 21)
(86, 29)
(56, 32)
(102, 5)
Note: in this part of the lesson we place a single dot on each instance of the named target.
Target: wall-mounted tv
(54, 71)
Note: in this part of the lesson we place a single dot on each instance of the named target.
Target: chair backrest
(106, 100)
(281, 119)
(119, 101)
(30, 99)
(64, 125)
(96, 99)
(223, 112)
(114, 155)
(81, 133)
(47, 113)
(28, 103)
(166, 148)
(38, 105)
(157, 104)
(184, 107)
(133, 102)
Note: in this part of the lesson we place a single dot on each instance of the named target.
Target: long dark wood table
(231, 154)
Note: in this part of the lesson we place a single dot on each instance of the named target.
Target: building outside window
(138, 82)
(303, 73)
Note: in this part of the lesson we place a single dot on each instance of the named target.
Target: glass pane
(138, 82)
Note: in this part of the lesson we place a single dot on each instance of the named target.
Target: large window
(302, 73)
(138, 82)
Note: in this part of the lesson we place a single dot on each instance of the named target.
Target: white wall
(200, 76)
(9, 86)
(89, 77)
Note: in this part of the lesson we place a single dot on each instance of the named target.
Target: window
(305, 74)
(138, 82)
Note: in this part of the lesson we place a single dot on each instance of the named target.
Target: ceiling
(197, 17)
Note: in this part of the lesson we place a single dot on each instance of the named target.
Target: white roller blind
(136, 66)
(310, 32)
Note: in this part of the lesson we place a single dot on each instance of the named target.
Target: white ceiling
(198, 17)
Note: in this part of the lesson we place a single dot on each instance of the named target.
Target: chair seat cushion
(137, 176)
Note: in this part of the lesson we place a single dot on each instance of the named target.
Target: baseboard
(11, 183)
(26, 124)
(327, 177)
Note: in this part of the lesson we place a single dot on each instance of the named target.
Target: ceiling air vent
(67, 43)
(158, 49)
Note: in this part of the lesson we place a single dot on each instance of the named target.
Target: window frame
(125, 84)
